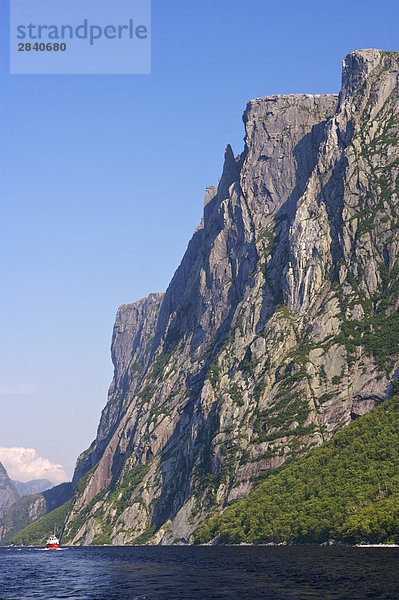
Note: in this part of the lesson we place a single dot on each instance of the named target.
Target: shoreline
(268, 545)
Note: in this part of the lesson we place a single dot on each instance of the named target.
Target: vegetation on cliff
(20, 514)
(28, 509)
(347, 489)
(37, 533)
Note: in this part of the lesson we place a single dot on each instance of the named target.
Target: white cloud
(24, 464)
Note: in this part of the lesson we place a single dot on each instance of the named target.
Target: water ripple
(200, 573)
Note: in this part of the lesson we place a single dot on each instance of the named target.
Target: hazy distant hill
(36, 486)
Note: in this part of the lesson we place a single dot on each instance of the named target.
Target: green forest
(346, 490)
(17, 516)
(37, 533)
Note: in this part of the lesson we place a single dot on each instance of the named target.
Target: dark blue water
(186, 573)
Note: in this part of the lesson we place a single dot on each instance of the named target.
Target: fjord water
(200, 573)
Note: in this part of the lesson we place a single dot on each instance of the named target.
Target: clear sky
(102, 184)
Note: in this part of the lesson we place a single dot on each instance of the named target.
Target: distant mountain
(30, 508)
(36, 486)
(8, 492)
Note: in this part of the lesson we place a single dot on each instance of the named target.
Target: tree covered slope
(347, 489)
(37, 533)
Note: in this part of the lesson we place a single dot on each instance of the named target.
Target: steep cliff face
(279, 327)
(8, 491)
(132, 341)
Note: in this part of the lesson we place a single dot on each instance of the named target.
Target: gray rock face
(278, 328)
(132, 341)
(8, 491)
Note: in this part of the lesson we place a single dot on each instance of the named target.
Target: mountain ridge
(34, 486)
(278, 329)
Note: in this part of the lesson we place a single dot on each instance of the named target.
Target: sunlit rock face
(278, 328)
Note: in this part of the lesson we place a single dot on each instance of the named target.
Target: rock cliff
(8, 491)
(279, 327)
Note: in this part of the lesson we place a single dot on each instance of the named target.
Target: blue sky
(103, 180)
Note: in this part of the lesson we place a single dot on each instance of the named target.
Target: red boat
(53, 543)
